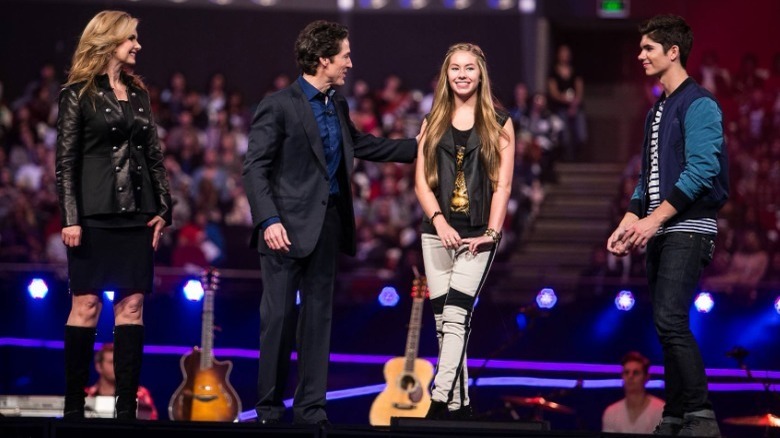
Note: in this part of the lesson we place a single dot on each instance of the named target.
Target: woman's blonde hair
(485, 122)
(103, 34)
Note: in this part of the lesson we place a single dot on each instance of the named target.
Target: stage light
(625, 300)
(37, 288)
(501, 4)
(221, 2)
(546, 298)
(413, 4)
(522, 320)
(457, 4)
(777, 304)
(388, 297)
(704, 302)
(193, 290)
(265, 3)
(526, 6)
(298, 298)
(346, 5)
(373, 4)
(109, 294)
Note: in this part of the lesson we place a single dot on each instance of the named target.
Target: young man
(673, 210)
(638, 411)
(106, 384)
(297, 179)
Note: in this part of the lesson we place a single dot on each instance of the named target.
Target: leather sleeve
(68, 156)
(159, 176)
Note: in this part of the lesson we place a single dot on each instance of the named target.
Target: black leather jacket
(101, 167)
(478, 184)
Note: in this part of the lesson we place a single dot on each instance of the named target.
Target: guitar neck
(413, 338)
(207, 330)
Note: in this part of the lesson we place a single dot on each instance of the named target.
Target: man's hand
(615, 243)
(638, 234)
(275, 236)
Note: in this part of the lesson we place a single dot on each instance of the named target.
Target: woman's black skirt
(112, 259)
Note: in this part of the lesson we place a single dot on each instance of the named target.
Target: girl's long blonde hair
(485, 121)
(103, 34)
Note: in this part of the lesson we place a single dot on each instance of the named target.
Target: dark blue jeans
(674, 264)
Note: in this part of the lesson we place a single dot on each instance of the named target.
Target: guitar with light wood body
(408, 378)
(206, 393)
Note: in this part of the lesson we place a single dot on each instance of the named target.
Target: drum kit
(541, 405)
(538, 404)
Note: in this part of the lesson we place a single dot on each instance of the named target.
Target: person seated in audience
(638, 411)
(106, 383)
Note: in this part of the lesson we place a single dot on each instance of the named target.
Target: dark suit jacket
(285, 172)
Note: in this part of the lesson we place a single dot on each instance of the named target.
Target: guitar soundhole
(408, 383)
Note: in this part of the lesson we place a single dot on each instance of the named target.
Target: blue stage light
(388, 297)
(704, 302)
(37, 288)
(109, 294)
(777, 304)
(522, 321)
(193, 290)
(546, 298)
(625, 300)
(297, 298)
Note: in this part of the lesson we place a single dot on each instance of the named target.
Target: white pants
(455, 278)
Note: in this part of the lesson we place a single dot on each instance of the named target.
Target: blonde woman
(463, 180)
(114, 199)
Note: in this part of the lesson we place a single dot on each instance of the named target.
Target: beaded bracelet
(493, 234)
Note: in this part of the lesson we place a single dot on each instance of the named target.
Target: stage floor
(20, 427)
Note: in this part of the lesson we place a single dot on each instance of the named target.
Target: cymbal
(538, 402)
(767, 420)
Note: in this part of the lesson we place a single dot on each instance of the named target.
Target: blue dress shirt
(330, 132)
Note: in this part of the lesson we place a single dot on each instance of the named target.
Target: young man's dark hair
(320, 39)
(668, 31)
(108, 347)
(635, 356)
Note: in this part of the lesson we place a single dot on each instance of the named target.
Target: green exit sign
(613, 8)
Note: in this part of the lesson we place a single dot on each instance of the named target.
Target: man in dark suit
(297, 179)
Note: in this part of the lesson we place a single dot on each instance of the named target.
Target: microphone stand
(739, 354)
(475, 375)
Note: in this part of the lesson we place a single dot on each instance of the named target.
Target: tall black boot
(128, 351)
(79, 348)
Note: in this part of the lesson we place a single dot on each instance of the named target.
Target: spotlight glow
(298, 298)
(109, 294)
(704, 302)
(37, 288)
(193, 290)
(625, 300)
(777, 304)
(546, 298)
(388, 297)
(522, 320)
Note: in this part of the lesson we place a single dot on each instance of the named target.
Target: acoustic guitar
(408, 378)
(206, 393)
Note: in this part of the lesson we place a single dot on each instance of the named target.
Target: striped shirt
(698, 225)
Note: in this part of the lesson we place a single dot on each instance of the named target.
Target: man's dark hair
(668, 31)
(319, 39)
(107, 347)
(635, 356)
